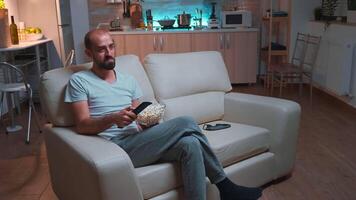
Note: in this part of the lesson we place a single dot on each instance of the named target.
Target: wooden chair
(302, 64)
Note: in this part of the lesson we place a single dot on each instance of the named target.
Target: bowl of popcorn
(152, 115)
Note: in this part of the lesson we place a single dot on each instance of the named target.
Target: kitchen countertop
(185, 31)
(24, 45)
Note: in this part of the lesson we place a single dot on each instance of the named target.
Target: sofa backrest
(192, 84)
(54, 82)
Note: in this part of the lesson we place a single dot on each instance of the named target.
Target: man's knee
(189, 145)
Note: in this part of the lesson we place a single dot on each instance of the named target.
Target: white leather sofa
(259, 147)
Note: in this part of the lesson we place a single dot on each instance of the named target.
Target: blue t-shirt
(103, 97)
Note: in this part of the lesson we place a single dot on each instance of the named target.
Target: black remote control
(141, 107)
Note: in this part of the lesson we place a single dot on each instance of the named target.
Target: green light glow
(171, 9)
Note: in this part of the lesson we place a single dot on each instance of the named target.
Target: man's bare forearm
(94, 126)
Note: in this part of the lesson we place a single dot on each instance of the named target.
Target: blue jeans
(180, 140)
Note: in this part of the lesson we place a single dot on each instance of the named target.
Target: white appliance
(65, 31)
(235, 19)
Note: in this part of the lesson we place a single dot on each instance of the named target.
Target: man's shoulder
(82, 75)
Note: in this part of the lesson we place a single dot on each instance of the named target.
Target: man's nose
(109, 51)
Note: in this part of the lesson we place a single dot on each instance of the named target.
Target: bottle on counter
(149, 20)
(13, 32)
(136, 14)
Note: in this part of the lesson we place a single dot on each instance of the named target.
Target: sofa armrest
(280, 117)
(89, 167)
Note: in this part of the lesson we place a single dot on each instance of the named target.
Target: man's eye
(101, 50)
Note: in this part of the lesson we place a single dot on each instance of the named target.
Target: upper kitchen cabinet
(239, 50)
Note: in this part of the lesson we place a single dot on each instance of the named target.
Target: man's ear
(88, 53)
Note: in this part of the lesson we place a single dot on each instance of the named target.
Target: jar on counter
(126, 24)
(21, 31)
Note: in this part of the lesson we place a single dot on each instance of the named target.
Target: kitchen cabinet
(239, 50)
(175, 43)
(207, 42)
(143, 44)
(140, 45)
(119, 44)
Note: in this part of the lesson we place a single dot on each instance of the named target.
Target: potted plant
(328, 9)
(351, 11)
(4, 25)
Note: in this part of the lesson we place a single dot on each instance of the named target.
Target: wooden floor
(325, 166)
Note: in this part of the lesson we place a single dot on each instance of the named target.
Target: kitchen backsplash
(100, 11)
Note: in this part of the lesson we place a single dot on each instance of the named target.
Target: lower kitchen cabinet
(239, 49)
(119, 44)
(175, 43)
(143, 44)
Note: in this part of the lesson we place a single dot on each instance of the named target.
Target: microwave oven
(235, 19)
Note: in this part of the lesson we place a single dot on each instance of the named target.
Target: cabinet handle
(221, 38)
(161, 43)
(228, 41)
(154, 43)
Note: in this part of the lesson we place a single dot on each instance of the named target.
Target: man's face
(102, 51)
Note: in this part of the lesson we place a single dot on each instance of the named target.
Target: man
(103, 99)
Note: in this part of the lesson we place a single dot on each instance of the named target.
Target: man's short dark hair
(87, 42)
(87, 38)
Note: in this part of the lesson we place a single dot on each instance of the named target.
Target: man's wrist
(110, 119)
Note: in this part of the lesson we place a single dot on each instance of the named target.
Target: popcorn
(151, 115)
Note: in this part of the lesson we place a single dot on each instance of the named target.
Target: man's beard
(108, 63)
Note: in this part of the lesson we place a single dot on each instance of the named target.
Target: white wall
(80, 24)
(335, 69)
(23, 10)
(302, 13)
(12, 6)
(42, 14)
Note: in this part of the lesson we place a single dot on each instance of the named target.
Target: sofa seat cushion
(238, 142)
(231, 145)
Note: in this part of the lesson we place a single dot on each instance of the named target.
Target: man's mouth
(109, 58)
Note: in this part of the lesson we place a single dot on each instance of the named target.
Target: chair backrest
(69, 58)
(311, 53)
(305, 52)
(299, 49)
(54, 82)
(192, 84)
(11, 74)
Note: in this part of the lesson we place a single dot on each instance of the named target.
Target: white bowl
(34, 36)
